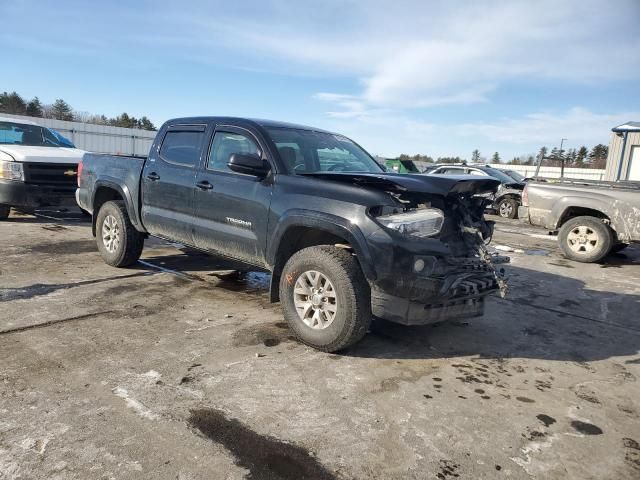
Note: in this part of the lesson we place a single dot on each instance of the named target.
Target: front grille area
(54, 174)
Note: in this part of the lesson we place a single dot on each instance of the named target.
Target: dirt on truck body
(344, 240)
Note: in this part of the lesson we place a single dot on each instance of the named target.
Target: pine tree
(146, 124)
(475, 156)
(495, 158)
(61, 110)
(581, 156)
(34, 108)
(12, 103)
(598, 156)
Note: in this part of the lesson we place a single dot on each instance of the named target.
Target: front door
(168, 181)
(232, 209)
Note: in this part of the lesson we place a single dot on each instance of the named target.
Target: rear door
(232, 209)
(168, 180)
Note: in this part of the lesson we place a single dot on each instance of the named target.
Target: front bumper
(404, 311)
(30, 195)
(523, 214)
(447, 289)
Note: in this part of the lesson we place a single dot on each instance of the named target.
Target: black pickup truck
(343, 240)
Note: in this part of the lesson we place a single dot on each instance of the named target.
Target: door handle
(153, 176)
(204, 185)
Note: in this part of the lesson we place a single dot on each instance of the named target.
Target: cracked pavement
(180, 368)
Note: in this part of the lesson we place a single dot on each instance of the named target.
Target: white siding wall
(98, 138)
(615, 150)
(554, 172)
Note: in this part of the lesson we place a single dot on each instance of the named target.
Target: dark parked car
(344, 240)
(505, 201)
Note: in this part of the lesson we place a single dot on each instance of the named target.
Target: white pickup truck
(37, 167)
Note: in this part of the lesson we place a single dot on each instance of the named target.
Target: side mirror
(249, 164)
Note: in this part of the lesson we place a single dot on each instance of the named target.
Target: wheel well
(513, 196)
(572, 212)
(102, 196)
(294, 240)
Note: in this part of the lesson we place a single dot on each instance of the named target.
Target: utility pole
(561, 159)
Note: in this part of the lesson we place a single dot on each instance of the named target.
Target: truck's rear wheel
(325, 298)
(585, 239)
(5, 210)
(508, 208)
(119, 243)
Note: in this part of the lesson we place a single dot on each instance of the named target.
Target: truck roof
(259, 122)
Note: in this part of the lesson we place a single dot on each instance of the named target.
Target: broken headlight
(426, 222)
(11, 171)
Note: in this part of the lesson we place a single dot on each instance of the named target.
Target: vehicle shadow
(62, 216)
(545, 316)
(191, 260)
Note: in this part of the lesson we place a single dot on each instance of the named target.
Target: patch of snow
(134, 404)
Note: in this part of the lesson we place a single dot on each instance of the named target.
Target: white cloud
(578, 125)
(390, 135)
(421, 54)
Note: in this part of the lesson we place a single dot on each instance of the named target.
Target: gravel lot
(181, 369)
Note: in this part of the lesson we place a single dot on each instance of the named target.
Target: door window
(182, 147)
(451, 171)
(226, 144)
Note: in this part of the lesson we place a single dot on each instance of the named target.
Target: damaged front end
(433, 263)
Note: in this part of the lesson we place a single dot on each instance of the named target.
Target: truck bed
(623, 185)
(116, 171)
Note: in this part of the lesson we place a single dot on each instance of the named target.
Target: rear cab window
(182, 145)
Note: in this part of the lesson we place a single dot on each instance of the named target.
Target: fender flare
(321, 221)
(125, 193)
(563, 204)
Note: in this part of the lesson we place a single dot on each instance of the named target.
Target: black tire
(130, 241)
(585, 239)
(5, 210)
(508, 208)
(618, 247)
(352, 295)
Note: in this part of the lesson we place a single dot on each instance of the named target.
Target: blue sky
(431, 77)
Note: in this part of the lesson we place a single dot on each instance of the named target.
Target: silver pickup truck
(593, 219)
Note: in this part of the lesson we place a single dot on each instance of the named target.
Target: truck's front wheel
(325, 298)
(119, 243)
(508, 208)
(4, 212)
(585, 239)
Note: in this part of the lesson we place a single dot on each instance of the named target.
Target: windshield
(495, 173)
(25, 134)
(305, 151)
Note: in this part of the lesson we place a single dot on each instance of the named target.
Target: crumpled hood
(24, 153)
(515, 185)
(398, 182)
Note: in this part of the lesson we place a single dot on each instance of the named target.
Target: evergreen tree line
(60, 110)
(573, 157)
